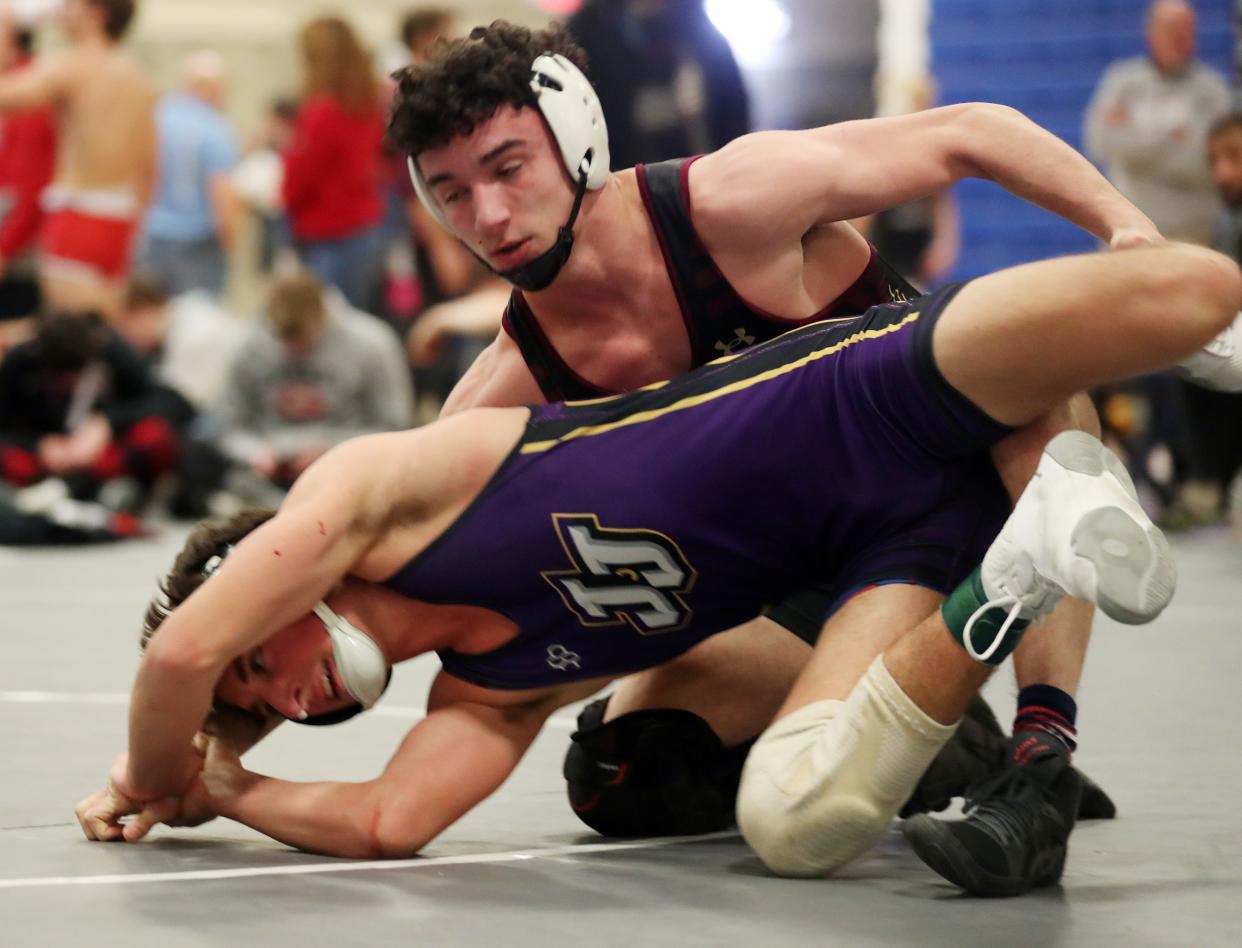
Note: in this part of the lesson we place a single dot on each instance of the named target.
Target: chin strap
(360, 663)
(539, 273)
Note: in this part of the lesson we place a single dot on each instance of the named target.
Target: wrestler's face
(291, 673)
(1225, 157)
(503, 188)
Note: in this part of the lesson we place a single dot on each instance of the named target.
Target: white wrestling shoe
(1218, 365)
(1078, 529)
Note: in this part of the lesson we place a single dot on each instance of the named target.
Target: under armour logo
(562, 659)
(739, 341)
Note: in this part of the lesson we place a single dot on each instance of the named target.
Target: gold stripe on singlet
(692, 401)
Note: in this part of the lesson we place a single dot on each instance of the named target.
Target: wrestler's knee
(1017, 455)
(824, 782)
(657, 772)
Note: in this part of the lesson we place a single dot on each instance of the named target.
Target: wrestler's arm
(784, 184)
(448, 762)
(44, 82)
(325, 525)
(498, 378)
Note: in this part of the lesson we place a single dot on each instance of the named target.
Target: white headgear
(361, 665)
(569, 105)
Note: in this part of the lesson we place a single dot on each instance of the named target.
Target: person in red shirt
(27, 159)
(333, 165)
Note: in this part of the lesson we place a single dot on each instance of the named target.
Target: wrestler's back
(106, 123)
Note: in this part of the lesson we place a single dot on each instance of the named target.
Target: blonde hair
(337, 65)
(295, 307)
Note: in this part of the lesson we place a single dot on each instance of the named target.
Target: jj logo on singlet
(621, 575)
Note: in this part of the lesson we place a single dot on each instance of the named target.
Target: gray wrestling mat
(1160, 712)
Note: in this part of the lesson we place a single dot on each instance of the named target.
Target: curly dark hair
(468, 79)
(209, 539)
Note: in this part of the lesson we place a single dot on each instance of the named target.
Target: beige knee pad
(823, 783)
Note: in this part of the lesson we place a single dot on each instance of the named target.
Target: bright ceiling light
(752, 27)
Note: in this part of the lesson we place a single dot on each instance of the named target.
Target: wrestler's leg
(664, 753)
(734, 681)
(1054, 657)
(1019, 342)
(826, 779)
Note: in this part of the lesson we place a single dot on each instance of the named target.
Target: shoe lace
(997, 801)
(1014, 604)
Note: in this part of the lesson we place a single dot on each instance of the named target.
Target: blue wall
(1043, 57)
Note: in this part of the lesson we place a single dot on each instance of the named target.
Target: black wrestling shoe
(1095, 804)
(1016, 833)
(975, 752)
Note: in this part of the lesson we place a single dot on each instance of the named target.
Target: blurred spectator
(437, 292)
(188, 339)
(666, 78)
(258, 181)
(411, 239)
(333, 165)
(106, 155)
(315, 373)
(190, 343)
(1147, 123)
(1225, 162)
(78, 405)
(1215, 418)
(1148, 120)
(27, 157)
(193, 220)
(423, 27)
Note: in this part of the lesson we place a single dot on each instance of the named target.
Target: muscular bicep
(779, 185)
(277, 573)
(498, 378)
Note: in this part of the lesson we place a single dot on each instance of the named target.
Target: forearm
(1024, 159)
(166, 710)
(335, 819)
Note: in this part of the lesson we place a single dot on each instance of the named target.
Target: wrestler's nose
(491, 214)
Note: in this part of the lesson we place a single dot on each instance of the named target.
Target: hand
(191, 808)
(223, 778)
(426, 340)
(295, 465)
(99, 815)
(53, 452)
(266, 465)
(1117, 117)
(88, 442)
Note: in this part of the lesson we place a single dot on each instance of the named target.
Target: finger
(100, 825)
(157, 811)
